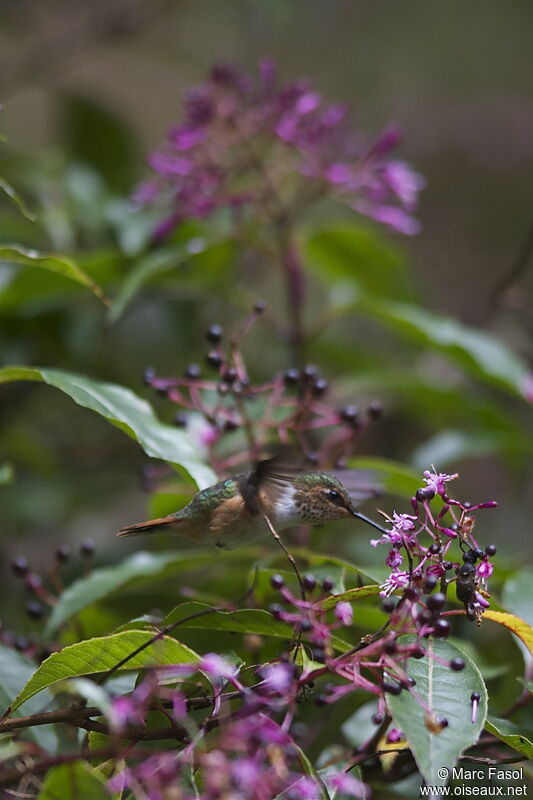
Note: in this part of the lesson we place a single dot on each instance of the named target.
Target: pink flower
(438, 480)
(485, 569)
(403, 522)
(218, 667)
(394, 559)
(396, 580)
(347, 784)
(344, 613)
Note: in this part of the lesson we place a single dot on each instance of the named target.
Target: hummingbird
(232, 512)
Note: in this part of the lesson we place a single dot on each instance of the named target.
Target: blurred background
(88, 89)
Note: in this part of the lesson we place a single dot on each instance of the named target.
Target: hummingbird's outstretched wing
(360, 484)
(271, 477)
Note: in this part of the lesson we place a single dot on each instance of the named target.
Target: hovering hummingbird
(232, 512)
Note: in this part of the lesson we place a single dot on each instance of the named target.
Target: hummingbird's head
(320, 498)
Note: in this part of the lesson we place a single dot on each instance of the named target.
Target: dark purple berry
(318, 654)
(214, 359)
(441, 628)
(321, 700)
(259, 307)
(425, 493)
(214, 334)
(475, 697)
(230, 425)
(377, 719)
(230, 375)
(309, 372)
(434, 549)
(418, 652)
(410, 593)
(448, 565)
(319, 387)
(306, 625)
(291, 377)
(375, 410)
(180, 420)
(20, 566)
(34, 610)
(63, 553)
(328, 584)
(390, 648)
(193, 371)
(21, 643)
(277, 581)
(409, 683)
(148, 375)
(491, 549)
(388, 605)
(87, 548)
(457, 664)
(309, 582)
(442, 721)
(391, 688)
(436, 601)
(429, 584)
(349, 414)
(467, 504)
(276, 610)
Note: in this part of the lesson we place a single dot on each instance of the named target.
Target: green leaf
(124, 409)
(95, 135)
(74, 781)
(441, 692)
(516, 596)
(148, 267)
(246, 620)
(450, 446)
(511, 734)
(357, 255)
(59, 264)
(477, 351)
(394, 478)
(359, 728)
(15, 671)
(139, 569)
(350, 596)
(7, 473)
(101, 654)
(15, 198)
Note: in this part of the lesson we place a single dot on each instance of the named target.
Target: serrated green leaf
(102, 654)
(441, 692)
(74, 781)
(511, 734)
(128, 412)
(13, 254)
(139, 569)
(15, 671)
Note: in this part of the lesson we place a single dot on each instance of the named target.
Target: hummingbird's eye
(336, 497)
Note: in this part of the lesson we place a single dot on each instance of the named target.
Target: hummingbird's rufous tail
(147, 527)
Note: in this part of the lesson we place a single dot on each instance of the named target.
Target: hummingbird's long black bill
(368, 521)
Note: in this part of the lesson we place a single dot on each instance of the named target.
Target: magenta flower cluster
(248, 143)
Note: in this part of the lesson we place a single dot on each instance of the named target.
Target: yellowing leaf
(522, 629)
